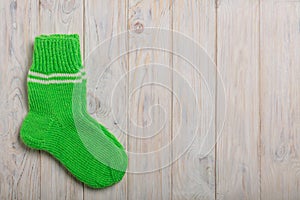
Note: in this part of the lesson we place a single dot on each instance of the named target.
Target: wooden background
(256, 45)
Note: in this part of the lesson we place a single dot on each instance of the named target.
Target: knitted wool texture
(58, 121)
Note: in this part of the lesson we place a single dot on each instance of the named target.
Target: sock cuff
(56, 53)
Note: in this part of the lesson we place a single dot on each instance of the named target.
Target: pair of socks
(58, 121)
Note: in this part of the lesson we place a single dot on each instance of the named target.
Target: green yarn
(58, 121)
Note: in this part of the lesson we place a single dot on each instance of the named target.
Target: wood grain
(193, 175)
(59, 16)
(238, 159)
(146, 97)
(149, 126)
(19, 166)
(280, 98)
(107, 87)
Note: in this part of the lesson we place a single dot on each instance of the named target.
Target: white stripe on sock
(54, 75)
(53, 81)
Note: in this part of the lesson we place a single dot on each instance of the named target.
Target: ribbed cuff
(57, 53)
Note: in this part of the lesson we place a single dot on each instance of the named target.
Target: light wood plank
(59, 17)
(150, 76)
(280, 97)
(107, 86)
(19, 166)
(238, 160)
(194, 105)
(261, 95)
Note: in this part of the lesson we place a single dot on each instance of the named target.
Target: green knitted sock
(83, 97)
(55, 122)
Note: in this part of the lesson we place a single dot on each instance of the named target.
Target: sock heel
(33, 130)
